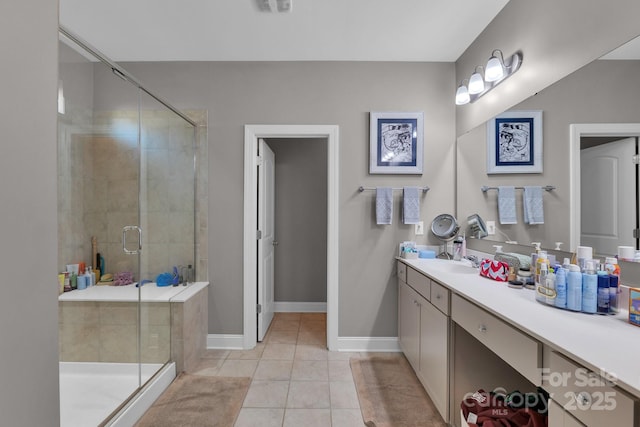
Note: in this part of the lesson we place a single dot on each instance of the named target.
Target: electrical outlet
(420, 228)
(491, 228)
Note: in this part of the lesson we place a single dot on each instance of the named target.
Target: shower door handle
(124, 239)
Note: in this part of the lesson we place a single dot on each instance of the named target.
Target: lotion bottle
(589, 289)
(541, 284)
(574, 288)
(561, 288)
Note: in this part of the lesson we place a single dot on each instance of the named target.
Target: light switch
(491, 228)
(420, 228)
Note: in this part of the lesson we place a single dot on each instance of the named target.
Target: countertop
(606, 344)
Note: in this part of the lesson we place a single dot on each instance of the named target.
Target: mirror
(604, 91)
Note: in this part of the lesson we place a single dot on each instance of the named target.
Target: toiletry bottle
(87, 274)
(589, 289)
(464, 245)
(191, 274)
(541, 284)
(542, 260)
(457, 249)
(561, 287)
(603, 293)
(551, 288)
(93, 276)
(574, 288)
(611, 266)
(613, 293)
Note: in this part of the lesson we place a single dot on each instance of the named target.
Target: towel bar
(361, 189)
(486, 188)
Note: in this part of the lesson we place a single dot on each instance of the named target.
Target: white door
(608, 196)
(266, 205)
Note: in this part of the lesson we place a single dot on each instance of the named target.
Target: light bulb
(494, 70)
(476, 83)
(462, 95)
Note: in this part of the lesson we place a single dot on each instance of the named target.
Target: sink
(463, 267)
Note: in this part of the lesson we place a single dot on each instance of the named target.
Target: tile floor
(296, 381)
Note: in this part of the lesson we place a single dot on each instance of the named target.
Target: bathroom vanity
(462, 333)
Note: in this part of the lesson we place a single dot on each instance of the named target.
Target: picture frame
(396, 142)
(514, 142)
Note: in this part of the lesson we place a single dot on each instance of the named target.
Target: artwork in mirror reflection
(601, 92)
(514, 142)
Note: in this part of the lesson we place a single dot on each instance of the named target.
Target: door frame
(251, 135)
(576, 132)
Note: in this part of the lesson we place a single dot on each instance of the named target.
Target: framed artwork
(396, 143)
(514, 143)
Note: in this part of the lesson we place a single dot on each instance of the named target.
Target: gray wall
(340, 93)
(556, 38)
(28, 230)
(601, 92)
(300, 219)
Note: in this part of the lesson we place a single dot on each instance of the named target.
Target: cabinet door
(409, 323)
(434, 352)
(559, 418)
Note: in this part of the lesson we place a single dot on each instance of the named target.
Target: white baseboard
(225, 341)
(382, 344)
(299, 307)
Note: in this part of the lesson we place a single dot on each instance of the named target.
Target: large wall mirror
(597, 106)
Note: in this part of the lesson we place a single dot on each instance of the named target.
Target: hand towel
(410, 205)
(507, 205)
(533, 205)
(384, 205)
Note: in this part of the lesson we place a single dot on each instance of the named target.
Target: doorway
(579, 132)
(327, 134)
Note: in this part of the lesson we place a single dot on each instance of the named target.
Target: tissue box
(410, 255)
(634, 306)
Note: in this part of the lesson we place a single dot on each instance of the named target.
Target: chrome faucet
(474, 260)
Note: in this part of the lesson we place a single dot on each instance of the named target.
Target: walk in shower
(127, 208)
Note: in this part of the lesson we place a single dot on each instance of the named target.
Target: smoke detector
(274, 5)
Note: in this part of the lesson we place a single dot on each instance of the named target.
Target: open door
(608, 196)
(266, 242)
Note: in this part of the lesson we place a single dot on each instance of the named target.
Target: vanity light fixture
(462, 94)
(496, 71)
(476, 82)
(495, 67)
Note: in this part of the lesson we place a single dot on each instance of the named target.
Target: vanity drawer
(514, 347)
(440, 297)
(586, 395)
(402, 271)
(419, 282)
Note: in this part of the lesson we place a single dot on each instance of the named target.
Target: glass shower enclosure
(126, 197)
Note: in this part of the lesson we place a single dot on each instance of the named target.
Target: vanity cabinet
(582, 395)
(423, 332)
(559, 418)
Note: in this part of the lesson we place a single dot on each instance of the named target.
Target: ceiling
(315, 30)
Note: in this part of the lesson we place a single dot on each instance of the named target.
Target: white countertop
(603, 343)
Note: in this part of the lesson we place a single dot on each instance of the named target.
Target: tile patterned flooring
(296, 381)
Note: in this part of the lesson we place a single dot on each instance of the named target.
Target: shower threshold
(91, 392)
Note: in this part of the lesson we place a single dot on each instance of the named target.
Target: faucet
(474, 260)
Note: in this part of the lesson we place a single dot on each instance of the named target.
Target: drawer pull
(438, 296)
(583, 399)
(482, 328)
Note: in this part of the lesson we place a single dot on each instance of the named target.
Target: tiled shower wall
(106, 198)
